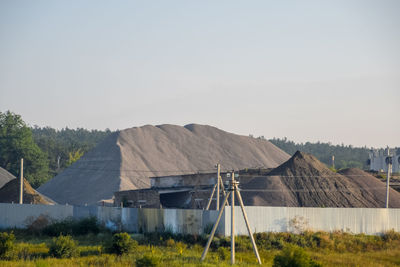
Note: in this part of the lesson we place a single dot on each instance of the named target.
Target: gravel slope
(5, 177)
(10, 193)
(303, 181)
(127, 159)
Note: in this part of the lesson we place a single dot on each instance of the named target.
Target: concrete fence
(262, 219)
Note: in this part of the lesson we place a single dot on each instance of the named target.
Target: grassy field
(329, 249)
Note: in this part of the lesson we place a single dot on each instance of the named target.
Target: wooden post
(203, 256)
(253, 242)
(233, 218)
(218, 189)
(21, 183)
(211, 197)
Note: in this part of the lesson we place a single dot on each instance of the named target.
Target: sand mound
(10, 193)
(127, 159)
(5, 177)
(304, 181)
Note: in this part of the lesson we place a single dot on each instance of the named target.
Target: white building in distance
(377, 159)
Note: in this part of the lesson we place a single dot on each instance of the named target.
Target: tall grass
(330, 249)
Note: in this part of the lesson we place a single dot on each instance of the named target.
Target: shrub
(121, 243)
(58, 228)
(293, 256)
(71, 226)
(147, 261)
(36, 225)
(390, 236)
(6, 245)
(63, 247)
(86, 226)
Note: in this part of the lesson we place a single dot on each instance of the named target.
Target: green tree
(345, 156)
(16, 142)
(59, 144)
(74, 156)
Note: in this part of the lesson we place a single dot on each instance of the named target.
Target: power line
(344, 189)
(210, 171)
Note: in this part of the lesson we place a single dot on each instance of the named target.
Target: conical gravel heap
(9, 193)
(303, 181)
(5, 177)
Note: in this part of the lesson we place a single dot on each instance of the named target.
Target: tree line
(46, 151)
(345, 156)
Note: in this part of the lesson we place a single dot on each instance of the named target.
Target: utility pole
(233, 189)
(389, 163)
(217, 187)
(218, 179)
(21, 183)
(233, 184)
(333, 161)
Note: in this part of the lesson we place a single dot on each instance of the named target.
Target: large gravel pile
(5, 177)
(303, 181)
(127, 159)
(9, 193)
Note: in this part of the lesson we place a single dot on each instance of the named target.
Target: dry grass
(178, 253)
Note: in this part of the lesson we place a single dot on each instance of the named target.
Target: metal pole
(218, 189)
(388, 181)
(233, 218)
(21, 183)
(212, 194)
(248, 225)
(203, 256)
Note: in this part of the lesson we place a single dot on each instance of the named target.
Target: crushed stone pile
(126, 160)
(303, 181)
(5, 177)
(376, 188)
(9, 193)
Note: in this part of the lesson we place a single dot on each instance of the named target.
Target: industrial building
(377, 160)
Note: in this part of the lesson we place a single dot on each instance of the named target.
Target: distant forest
(65, 146)
(345, 156)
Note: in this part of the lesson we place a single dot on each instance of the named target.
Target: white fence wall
(127, 219)
(18, 216)
(262, 219)
(277, 219)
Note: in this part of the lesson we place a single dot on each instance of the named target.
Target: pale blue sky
(308, 70)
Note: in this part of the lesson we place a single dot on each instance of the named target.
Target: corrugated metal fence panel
(150, 220)
(85, 211)
(129, 220)
(109, 214)
(282, 219)
(183, 221)
(394, 220)
(210, 218)
(19, 215)
(262, 219)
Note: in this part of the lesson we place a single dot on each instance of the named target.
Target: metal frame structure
(233, 190)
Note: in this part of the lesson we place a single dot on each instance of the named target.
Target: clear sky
(307, 70)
